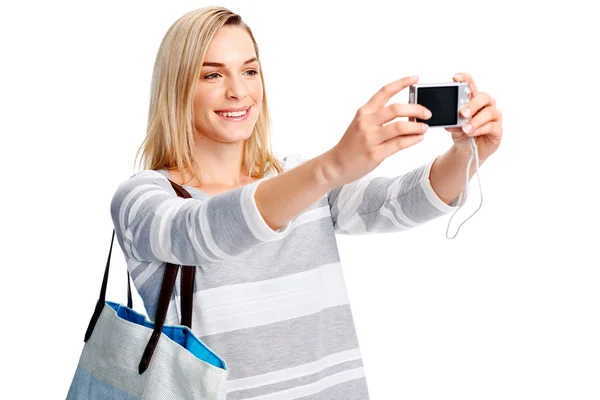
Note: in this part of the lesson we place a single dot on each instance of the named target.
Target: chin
(220, 135)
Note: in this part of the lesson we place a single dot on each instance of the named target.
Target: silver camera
(444, 100)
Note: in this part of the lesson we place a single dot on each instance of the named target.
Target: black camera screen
(442, 101)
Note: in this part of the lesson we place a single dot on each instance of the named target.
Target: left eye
(208, 76)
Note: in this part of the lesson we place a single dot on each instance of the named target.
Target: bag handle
(188, 274)
(187, 279)
(166, 290)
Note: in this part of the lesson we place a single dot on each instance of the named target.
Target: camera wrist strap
(474, 153)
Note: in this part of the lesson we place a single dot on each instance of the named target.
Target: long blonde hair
(169, 141)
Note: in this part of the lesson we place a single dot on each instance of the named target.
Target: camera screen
(442, 101)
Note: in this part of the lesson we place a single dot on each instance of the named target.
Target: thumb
(457, 135)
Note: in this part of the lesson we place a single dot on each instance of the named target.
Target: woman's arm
(367, 205)
(387, 204)
(282, 197)
(448, 174)
(153, 224)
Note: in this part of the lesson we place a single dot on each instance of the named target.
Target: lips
(235, 119)
(234, 109)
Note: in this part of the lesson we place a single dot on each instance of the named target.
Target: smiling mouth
(235, 116)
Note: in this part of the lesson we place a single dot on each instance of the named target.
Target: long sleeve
(382, 204)
(153, 224)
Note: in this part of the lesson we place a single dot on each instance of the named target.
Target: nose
(236, 89)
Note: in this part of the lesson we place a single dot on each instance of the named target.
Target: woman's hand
(367, 142)
(485, 124)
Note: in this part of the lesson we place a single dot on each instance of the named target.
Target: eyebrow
(216, 64)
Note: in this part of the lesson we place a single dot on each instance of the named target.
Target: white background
(509, 309)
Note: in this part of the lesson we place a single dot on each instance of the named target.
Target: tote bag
(126, 356)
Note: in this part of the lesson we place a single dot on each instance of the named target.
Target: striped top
(272, 304)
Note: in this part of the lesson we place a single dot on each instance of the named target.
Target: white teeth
(232, 114)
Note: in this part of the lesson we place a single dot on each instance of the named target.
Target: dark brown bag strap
(187, 277)
(187, 294)
(166, 290)
(101, 299)
(187, 286)
(129, 299)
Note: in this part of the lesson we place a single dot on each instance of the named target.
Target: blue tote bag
(126, 356)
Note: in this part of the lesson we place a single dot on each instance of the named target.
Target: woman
(270, 297)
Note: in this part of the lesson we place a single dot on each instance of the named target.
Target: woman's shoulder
(146, 178)
(148, 175)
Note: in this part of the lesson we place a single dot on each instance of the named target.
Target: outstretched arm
(389, 204)
(153, 224)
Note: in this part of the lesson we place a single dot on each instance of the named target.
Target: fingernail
(466, 112)
(457, 76)
(467, 128)
(427, 114)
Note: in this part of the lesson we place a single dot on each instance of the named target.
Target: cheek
(257, 93)
(204, 101)
(258, 88)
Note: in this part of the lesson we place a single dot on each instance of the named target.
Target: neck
(218, 164)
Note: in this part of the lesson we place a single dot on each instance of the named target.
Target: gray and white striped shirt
(272, 304)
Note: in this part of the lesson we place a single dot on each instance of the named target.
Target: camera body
(444, 100)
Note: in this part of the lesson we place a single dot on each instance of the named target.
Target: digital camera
(444, 100)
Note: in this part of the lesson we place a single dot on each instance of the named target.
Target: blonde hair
(169, 141)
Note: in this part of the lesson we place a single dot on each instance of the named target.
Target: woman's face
(235, 84)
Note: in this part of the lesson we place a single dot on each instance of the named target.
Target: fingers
(477, 103)
(464, 77)
(386, 149)
(397, 110)
(384, 94)
(483, 115)
(400, 128)
(481, 119)
(483, 129)
(457, 134)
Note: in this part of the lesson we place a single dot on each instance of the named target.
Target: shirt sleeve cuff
(255, 220)
(432, 196)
